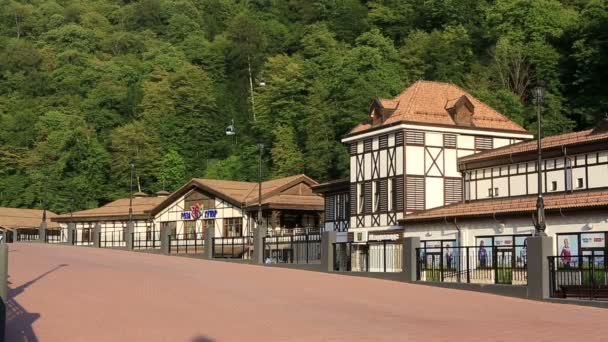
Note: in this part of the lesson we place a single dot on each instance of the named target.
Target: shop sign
(196, 213)
(592, 240)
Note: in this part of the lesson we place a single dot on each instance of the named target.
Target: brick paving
(65, 293)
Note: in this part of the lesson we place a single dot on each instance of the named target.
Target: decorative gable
(381, 109)
(461, 110)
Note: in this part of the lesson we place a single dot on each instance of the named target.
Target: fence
(478, 265)
(293, 231)
(112, 238)
(237, 247)
(372, 256)
(579, 276)
(186, 243)
(293, 249)
(55, 236)
(28, 234)
(146, 240)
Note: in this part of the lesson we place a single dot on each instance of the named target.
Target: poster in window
(502, 241)
(521, 250)
(567, 247)
(433, 246)
(450, 254)
(484, 252)
(593, 240)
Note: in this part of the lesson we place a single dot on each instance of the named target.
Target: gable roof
(513, 205)
(118, 209)
(11, 218)
(427, 102)
(245, 194)
(548, 143)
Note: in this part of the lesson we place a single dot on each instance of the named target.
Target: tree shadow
(18, 320)
(202, 339)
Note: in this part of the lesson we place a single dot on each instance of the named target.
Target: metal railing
(293, 231)
(578, 276)
(474, 264)
(75, 241)
(112, 238)
(28, 234)
(146, 240)
(371, 256)
(186, 243)
(55, 236)
(235, 247)
(293, 249)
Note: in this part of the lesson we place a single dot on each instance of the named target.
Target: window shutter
(399, 138)
(367, 145)
(384, 194)
(398, 193)
(353, 199)
(353, 148)
(449, 140)
(331, 210)
(483, 143)
(452, 190)
(383, 141)
(368, 197)
(414, 193)
(414, 138)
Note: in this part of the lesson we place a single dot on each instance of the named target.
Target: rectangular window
(361, 195)
(391, 196)
(190, 229)
(495, 192)
(376, 198)
(233, 227)
(490, 192)
(338, 208)
(553, 186)
(579, 183)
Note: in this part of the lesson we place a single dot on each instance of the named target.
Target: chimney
(163, 193)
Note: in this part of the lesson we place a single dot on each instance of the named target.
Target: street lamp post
(261, 148)
(131, 193)
(539, 92)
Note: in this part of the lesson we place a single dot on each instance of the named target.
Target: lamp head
(538, 91)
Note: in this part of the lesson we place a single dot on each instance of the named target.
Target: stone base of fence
(258, 246)
(327, 251)
(42, 231)
(208, 249)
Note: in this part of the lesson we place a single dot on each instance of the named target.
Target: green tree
(172, 173)
(286, 155)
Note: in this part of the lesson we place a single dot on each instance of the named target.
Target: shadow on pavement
(202, 339)
(18, 320)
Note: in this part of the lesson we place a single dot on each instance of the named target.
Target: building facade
(337, 206)
(404, 159)
(499, 205)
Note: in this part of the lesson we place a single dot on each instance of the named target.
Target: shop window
(233, 227)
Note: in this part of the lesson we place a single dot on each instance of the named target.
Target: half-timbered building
(337, 208)
(404, 157)
(499, 204)
(230, 207)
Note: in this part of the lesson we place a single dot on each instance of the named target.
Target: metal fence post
(468, 267)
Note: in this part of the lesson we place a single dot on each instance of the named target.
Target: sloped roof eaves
(23, 218)
(485, 208)
(118, 209)
(548, 143)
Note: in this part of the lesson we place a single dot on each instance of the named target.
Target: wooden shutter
(414, 193)
(414, 138)
(399, 138)
(367, 145)
(383, 194)
(353, 199)
(367, 189)
(449, 140)
(353, 148)
(452, 190)
(383, 141)
(398, 193)
(330, 204)
(483, 143)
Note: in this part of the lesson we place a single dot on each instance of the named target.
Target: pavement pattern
(66, 293)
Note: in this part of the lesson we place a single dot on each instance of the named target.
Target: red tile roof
(118, 208)
(581, 199)
(426, 102)
(556, 141)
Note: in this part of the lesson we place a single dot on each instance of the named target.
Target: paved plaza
(65, 293)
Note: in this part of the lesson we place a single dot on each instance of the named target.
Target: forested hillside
(86, 87)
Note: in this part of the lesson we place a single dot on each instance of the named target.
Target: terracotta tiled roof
(118, 208)
(582, 199)
(556, 141)
(11, 218)
(426, 102)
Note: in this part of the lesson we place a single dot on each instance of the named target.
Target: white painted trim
(438, 129)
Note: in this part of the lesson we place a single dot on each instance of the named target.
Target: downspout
(459, 232)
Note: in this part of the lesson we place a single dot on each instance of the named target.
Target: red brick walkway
(64, 293)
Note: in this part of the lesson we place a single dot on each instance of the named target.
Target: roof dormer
(461, 110)
(382, 109)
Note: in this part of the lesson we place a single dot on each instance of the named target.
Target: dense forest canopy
(88, 87)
